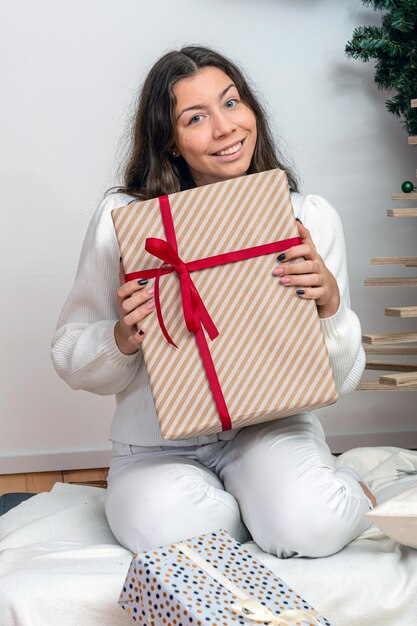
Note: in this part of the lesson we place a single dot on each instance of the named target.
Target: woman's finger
(137, 337)
(136, 316)
(304, 233)
(136, 300)
(131, 287)
(301, 280)
(296, 252)
(301, 267)
(311, 293)
(307, 248)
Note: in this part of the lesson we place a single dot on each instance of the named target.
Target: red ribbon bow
(195, 313)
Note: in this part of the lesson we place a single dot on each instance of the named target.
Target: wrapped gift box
(269, 359)
(209, 580)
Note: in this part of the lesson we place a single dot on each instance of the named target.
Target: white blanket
(61, 565)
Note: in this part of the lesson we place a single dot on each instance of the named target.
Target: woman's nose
(222, 125)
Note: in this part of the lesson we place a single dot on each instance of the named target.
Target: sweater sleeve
(84, 349)
(342, 331)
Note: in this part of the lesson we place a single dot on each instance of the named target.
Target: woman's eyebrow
(202, 106)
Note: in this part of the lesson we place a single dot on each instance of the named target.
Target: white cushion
(397, 517)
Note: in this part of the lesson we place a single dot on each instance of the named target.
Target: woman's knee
(320, 524)
(292, 499)
(156, 502)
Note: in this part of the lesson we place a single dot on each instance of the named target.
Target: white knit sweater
(86, 356)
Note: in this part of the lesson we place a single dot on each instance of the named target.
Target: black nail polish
(141, 332)
(281, 257)
(298, 220)
(142, 281)
(300, 292)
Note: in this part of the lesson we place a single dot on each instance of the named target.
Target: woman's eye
(195, 119)
(231, 103)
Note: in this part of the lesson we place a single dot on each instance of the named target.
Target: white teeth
(231, 150)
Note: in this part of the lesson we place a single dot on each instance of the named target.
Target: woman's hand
(311, 276)
(135, 302)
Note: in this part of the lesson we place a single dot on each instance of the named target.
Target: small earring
(174, 153)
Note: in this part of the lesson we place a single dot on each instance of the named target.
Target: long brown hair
(151, 170)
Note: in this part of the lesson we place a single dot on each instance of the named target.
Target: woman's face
(214, 131)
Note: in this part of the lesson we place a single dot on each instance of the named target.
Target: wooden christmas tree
(404, 376)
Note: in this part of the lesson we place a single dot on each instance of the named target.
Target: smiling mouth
(235, 148)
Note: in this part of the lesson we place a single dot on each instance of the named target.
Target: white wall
(70, 71)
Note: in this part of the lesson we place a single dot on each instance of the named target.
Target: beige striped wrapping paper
(270, 356)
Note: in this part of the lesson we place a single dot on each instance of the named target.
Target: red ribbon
(195, 313)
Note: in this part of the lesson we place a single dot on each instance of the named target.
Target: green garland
(394, 46)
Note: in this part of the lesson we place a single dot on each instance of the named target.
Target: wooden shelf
(391, 282)
(401, 311)
(408, 379)
(409, 212)
(391, 366)
(375, 385)
(390, 350)
(405, 196)
(390, 338)
(408, 261)
(412, 140)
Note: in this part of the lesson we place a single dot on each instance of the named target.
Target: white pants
(275, 482)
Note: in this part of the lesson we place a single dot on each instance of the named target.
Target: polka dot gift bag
(210, 580)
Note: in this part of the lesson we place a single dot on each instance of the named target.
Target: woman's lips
(233, 155)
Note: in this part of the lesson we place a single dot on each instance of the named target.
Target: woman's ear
(174, 152)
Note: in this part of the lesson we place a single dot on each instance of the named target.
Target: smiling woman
(199, 122)
(216, 138)
(187, 95)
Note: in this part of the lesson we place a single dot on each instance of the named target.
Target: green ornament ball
(407, 186)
